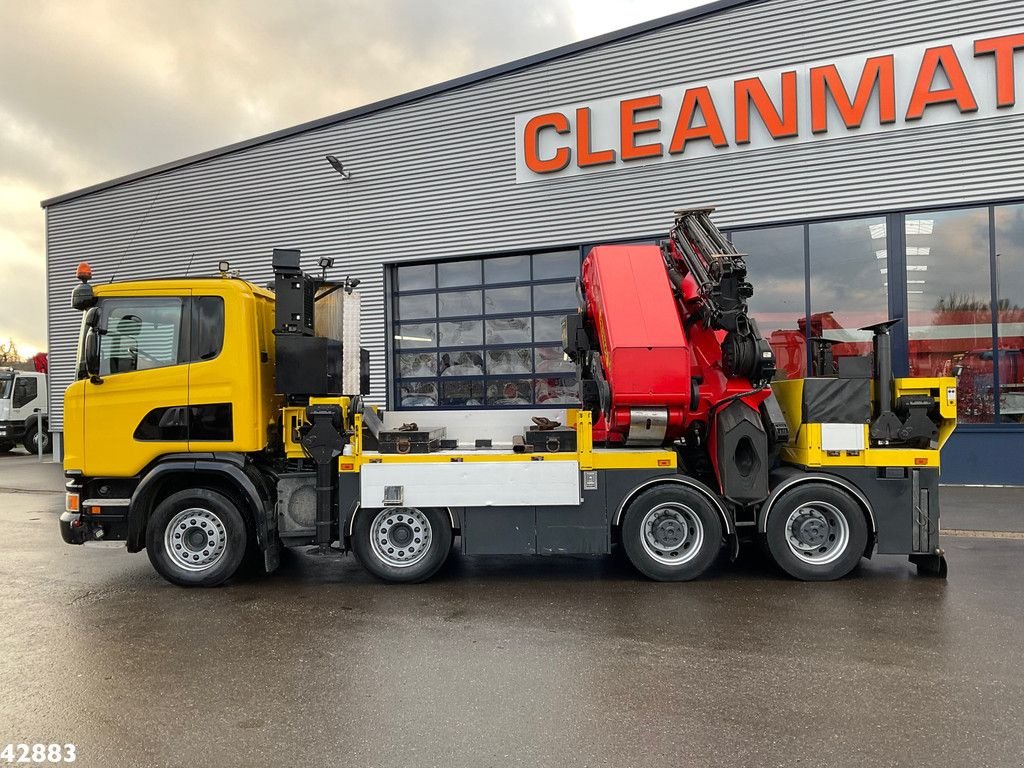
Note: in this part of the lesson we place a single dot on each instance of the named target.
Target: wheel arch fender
(349, 518)
(790, 480)
(728, 526)
(223, 470)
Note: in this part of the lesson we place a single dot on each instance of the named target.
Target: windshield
(5, 388)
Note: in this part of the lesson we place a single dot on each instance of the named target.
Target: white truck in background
(23, 411)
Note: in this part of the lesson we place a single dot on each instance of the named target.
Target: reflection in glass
(1009, 244)
(458, 303)
(462, 333)
(849, 282)
(417, 306)
(416, 277)
(462, 392)
(561, 391)
(507, 269)
(415, 335)
(462, 364)
(417, 364)
(455, 273)
(547, 266)
(553, 360)
(554, 296)
(508, 330)
(417, 394)
(509, 392)
(547, 328)
(948, 303)
(503, 300)
(775, 266)
(501, 361)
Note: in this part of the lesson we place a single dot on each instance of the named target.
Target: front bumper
(72, 529)
(12, 431)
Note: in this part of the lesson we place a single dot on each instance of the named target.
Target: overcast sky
(94, 89)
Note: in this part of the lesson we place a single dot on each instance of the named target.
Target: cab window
(25, 391)
(207, 327)
(142, 333)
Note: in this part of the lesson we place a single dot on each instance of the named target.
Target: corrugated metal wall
(436, 178)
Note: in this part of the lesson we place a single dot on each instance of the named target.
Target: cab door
(137, 409)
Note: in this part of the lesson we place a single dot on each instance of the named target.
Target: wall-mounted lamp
(337, 165)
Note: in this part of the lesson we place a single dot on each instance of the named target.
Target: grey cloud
(95, 89)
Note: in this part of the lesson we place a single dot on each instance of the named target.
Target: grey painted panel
(435, 178)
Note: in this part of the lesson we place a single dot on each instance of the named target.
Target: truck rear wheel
(671, 533)
(816, 532)
(402, 544)
(196, 538)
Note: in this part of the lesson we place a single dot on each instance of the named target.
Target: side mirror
(91, 352)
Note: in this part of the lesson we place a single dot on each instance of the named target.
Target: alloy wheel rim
(400, 536)
(817, 533)
(195, 539)
(672, 534)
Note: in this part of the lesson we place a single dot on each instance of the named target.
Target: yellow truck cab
(212, 418)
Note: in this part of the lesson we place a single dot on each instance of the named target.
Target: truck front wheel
(402, 544)
(196, 538)
(816, 532)
(671, 533)
(32, 438)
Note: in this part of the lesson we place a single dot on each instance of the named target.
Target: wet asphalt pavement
(507, 661)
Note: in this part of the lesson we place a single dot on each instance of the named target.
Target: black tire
(833, 530)
(671, 533)
(29, 441)
(422, 563)
(214, 512)
(6, 447)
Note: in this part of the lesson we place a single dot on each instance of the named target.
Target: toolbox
(424, 440)
(550, 440)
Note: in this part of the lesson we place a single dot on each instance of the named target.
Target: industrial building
(866, 155)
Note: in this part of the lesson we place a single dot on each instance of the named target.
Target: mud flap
(933, 564)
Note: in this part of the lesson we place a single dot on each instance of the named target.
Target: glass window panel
(507, 269)
(948, 304)
(418, 364)
(455, 273)
(849, 282)
(458, 303)
(775, 266)
(462, 364)
(503, 300)
(415, 335)
(563, 390)
(554, 296)
(547, 327)
(461, 333)
(462, 392)
(553, 360)
(415, 278)
(1009, 236)
(547, 266)
(417, 394)
(510, 392)
(417, 306)
(508, 330)
(503, 361)
(142, 333)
